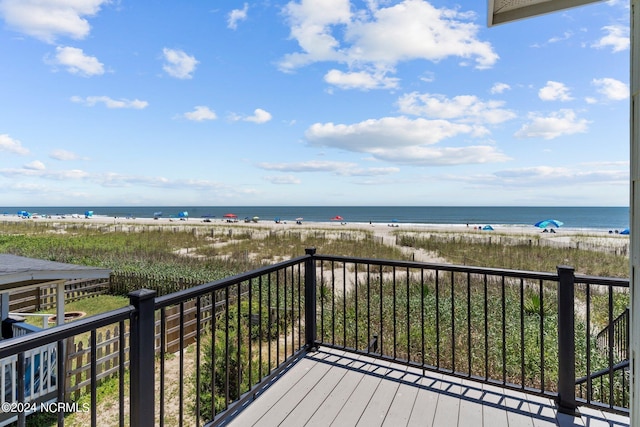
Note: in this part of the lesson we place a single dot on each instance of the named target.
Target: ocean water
(573, 217)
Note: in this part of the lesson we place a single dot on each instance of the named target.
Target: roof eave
(534, 9)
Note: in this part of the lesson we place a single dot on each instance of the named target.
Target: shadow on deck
(334, 387)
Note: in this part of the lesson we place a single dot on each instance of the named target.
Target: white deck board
(334, 388)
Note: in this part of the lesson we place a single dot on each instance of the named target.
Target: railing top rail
(597, 280)
(196, 291)
(12, 346)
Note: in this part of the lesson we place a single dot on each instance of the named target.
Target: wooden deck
(334, 388)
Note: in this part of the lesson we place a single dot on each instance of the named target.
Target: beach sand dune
(386, 233)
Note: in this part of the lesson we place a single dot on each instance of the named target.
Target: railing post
(566, 400)
(142, 353)
(310, 326)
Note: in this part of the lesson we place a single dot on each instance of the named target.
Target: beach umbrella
(337, 218)
(548, 223)
(230, 215)
(299, 218)
(625, 231)
(255, 218)
(88, 214)
(157, 214)
(487, 227)
(183, 214)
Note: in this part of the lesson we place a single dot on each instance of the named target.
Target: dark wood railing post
(566, 400)
(142, 353)
(310, 325)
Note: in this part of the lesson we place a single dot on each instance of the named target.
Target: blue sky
(311, 102)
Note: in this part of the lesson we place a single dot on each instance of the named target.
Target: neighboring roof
(501, 11)
(17, 271)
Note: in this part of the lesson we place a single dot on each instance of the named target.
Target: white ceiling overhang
(502, 11)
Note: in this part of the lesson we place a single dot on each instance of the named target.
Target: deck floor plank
(333, 404)
(379, 404)
(448, 405)
(493, 413)
(470, 414)
(337, 388)
(424, 407)
(359, 399)
(305, 409)
(399, 412)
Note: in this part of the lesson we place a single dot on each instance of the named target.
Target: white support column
(634, 205)
(4, 305)
(60, 302)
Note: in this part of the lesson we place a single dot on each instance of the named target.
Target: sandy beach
(607, 240)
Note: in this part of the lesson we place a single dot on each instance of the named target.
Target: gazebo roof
(501, 11)
(17, 272)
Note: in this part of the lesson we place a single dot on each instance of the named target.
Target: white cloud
(90, 101)
(35, 165)
(283, 179)
(12, 145)
(380, 37)
(49, 19)
(311, 22)
(259, 116)
(237, 15)
(499, 88)
(617, 38)
(557, 176)
(387, 131)
(32, 170)
(442, 156)
(402, 140)
(77, 62)
(179, 64)
(337, 168)
(565, 36)
(370, 171)
(399, 33)
(201, 113)
(465, 108)
(308, 166)
(611, 88)
(63, 155)
(360, 80)
(555, 91)
(563, 122)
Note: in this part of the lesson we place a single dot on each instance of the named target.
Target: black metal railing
(604, 378)
(529, 331)
(250, 327)
(616, 334)
(13, 404)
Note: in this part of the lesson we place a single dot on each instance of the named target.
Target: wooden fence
(78, 360)
(44, 297)
(611, 245)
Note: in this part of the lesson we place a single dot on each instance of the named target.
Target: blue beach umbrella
(487, 227)
(625, 231)
(548, 223)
